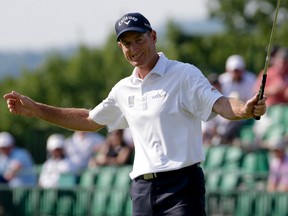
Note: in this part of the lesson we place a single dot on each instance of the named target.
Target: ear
(119, 44)
(154, 36)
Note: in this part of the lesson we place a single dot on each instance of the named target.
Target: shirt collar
(159, 68)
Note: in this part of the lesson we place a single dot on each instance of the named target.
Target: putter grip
(261, 92)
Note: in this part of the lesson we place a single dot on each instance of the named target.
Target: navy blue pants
(174, 193)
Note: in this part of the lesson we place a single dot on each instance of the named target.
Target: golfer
(163, 103)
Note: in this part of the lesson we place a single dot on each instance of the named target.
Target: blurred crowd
(71, 155)
(90, 150)
(238, 81)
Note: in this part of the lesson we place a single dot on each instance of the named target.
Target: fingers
(17, 95)
(11, 99)
(259, 108)
(12, 94)
(262, 101)
(259, 112)
(11, 104)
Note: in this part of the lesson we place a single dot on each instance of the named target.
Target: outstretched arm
(234, 109)
(70, 118)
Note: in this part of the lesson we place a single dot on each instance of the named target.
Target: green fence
(116, 202)
(69, 202)
(235, 183)
(247, 203)
(103, 191)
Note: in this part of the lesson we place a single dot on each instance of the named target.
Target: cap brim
(133, 29)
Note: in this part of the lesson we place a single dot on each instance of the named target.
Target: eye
(140, 39)
(126, 44)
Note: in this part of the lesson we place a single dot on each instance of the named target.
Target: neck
(143, 71)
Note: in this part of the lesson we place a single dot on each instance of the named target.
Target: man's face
(138, 48)
(57, 153)
(237, 75)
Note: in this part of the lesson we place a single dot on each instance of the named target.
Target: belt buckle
(149, 176)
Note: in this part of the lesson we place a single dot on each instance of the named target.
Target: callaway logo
(159, 95)
(127, 20)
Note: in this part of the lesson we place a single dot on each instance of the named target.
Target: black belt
(166, 174)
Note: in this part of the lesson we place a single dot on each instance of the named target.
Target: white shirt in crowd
(52, 170)
(80, 147)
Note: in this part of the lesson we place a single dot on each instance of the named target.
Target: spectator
(278, 171)
(276, 88)
(127, 136)
(274, 50)
(219, 130)
(237, 81)
(56, 164)
(16, 164)
(114, 151)
(81, 146)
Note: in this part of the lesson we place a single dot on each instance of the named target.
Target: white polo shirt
(164, 113)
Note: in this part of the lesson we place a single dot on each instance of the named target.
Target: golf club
(264, 77)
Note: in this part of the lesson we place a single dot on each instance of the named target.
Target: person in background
(127, 136)
(114, 151)
(16, 164)
(56, 164)
(210, 130)
(236, 80)
(274, 50)
(220, 130)
(276, 88)
(81, 146)
(278, 168)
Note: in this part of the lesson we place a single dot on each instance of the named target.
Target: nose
(134, 47)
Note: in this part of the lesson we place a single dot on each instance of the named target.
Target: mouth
(138, 56)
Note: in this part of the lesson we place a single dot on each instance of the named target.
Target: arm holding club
(234, 109)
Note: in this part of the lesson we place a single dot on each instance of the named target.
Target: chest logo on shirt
(131, 101)
(159, 95)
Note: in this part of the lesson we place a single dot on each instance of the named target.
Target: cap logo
(127, 19)
(127, 22)
(132, 22)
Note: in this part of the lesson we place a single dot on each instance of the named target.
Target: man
(81, 146)
(163, 103)
(276, 87)
(236, 80)
(113, 151)
(16, 164)
(278, 167)
(56, 164)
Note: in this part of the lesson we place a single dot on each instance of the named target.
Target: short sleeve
(108, 113)
(198, 95)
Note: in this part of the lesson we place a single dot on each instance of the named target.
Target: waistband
(166, 174)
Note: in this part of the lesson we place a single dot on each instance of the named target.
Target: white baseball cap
(55, 141)
(6, 140)
(235, 62)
